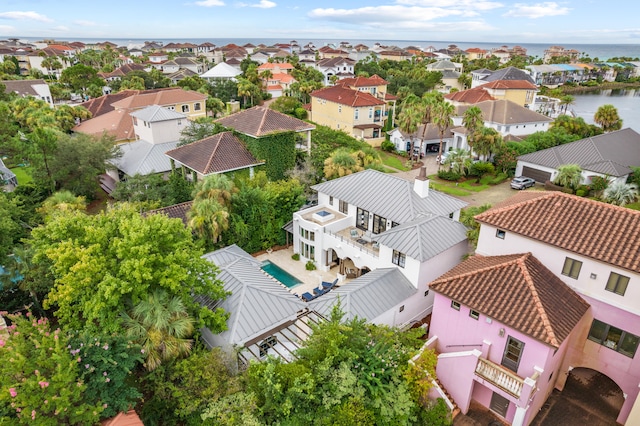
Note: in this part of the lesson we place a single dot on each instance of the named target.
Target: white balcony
(500, 377)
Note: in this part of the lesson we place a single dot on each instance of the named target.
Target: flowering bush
(40, 380)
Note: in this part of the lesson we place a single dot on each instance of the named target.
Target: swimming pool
(280, 274)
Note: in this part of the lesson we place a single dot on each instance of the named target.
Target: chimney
(421, 184)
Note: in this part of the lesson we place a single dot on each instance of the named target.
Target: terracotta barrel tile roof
(518, 291)
(345, 96)
(604, 232)
(216, 154)
(261, 121)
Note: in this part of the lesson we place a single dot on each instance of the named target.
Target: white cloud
(17, 15)
(538, 10)
(364, 15)
(455, 4)
(61, 28)
(83, 23)
(264, 4)
(210, 3)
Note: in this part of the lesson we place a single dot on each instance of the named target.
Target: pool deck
(310, 279)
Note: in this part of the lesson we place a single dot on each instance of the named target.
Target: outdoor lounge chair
(307, 296)
(326, 286)
(318, 291)
(368, 237)
(355, 234)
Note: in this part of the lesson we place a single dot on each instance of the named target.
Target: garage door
(538, 175)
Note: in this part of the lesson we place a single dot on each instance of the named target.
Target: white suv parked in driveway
(522, 182)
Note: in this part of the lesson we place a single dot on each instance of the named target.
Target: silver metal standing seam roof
(156, 113)
(368, 296)
(424, 237)
(142, 157)
(611, 153)
(230, 254)
(388, 196)
(257, 303)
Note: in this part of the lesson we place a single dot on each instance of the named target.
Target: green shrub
(585, 189)
(388, 146)
(448, 175)
(295, 256)
(482, 168)
(301, 113)
(581, 192)
(310, 266)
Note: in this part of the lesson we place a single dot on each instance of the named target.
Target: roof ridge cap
(213, 152)
(485, 268)
(521, 262)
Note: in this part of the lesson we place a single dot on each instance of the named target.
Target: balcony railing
(500, 377)
(353, 243)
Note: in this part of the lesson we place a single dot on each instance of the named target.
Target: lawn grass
(464, 188)
(23, 174)
(393, 161)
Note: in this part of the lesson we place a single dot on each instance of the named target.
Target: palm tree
(459, 161)
(486, 141)
(162, 326)
(565, 101)
(245, 89)
(472, 121)
(215, 106)
(442, 118)
(428, 101)
(569, 176)
(409, 119)
(607, 117)
(620, 193)
(341, 163)
(209, 214)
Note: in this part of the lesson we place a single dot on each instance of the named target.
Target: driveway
(492, 195)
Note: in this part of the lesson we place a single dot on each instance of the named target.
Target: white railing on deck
(351, 242)
(500, 377)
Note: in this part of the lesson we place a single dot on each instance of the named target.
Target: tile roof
(176, 211)
(123, 70)
(613, 153)
(518, 291)
(261, 121)
(104, 104)
(509, 73)
(374, 80)
(603, 232)
(116, 123)
(346, 96)
(388, 196)
(162, 98)
(503, 111)
(336, 60)
(22, 87)
(470, 96)
(257, 302)
(271, 65)
(130, 418)
(367, 297)
(219, 153)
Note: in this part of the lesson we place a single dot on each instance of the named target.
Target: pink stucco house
(589, 248)
(501, 326)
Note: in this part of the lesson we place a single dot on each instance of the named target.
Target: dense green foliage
(101, 264)
(277, 150)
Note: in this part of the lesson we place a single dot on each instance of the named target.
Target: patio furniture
(326, 286)
(318, 291)
(376, 245)
(368, 237)
(355, 234)
(351, 273)
(306, 296)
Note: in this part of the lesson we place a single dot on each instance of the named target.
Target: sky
(501, 21)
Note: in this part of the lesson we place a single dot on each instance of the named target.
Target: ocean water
(600, 51)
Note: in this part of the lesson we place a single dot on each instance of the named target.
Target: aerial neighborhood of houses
(547, 294)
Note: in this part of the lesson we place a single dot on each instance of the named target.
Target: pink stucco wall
(623, 370)
(458, 332)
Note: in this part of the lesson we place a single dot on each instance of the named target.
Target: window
(197, 106)
(331, 200)
(398, 258)
(512, 354)
(356, 114)
(379, 224)
(339, 108)
(613, 338)
(401, 308)
(571, 268)
(500, 234)
(343, 206)
(308, 235)
(266, 344)
(617, 283)
(185, 108)
(455, 305)
(394, 224)
(307, 250)
(362, 219)
(474, 314)
(370, 112)
(135, 121)
(426, 293)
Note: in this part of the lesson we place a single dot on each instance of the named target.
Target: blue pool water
(280, 274)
